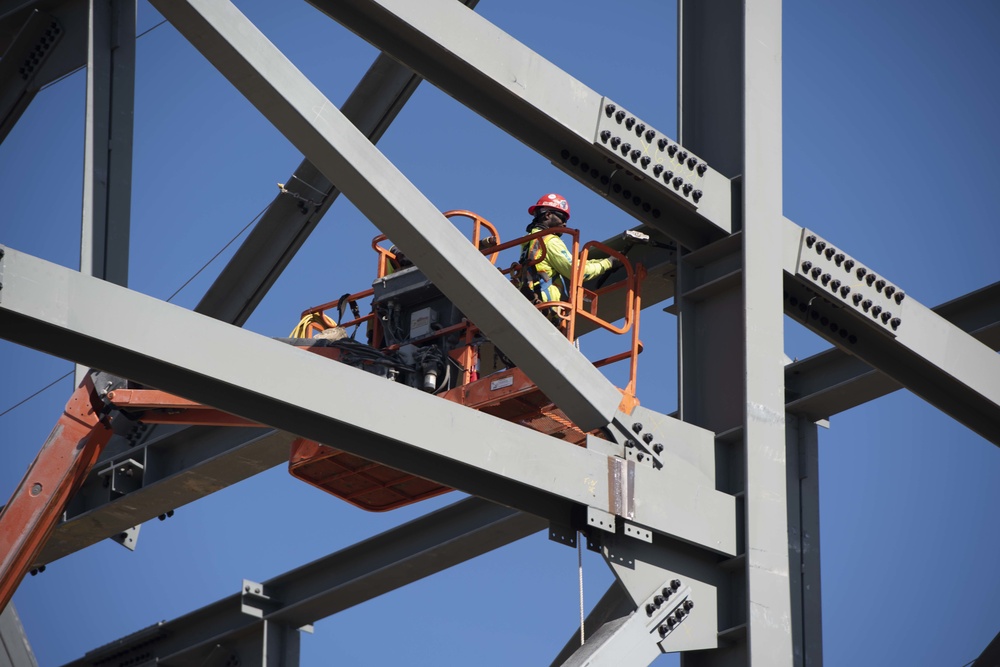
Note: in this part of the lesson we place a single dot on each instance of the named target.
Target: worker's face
(550, 217)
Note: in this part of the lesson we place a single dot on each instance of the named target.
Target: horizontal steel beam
(331, 584)
(513, 87)
(833, 381)
(61, 312)
(345, 156)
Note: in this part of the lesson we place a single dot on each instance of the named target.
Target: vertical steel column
(804, 542)
(107, 176)
(730, 113)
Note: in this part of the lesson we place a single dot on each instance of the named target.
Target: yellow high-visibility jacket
(556, 267)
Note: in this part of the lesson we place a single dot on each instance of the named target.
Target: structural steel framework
(724, 520)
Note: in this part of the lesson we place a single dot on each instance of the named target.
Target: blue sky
(890, 138)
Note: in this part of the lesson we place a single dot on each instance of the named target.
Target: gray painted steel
(876, 321)
(769, 611)
(731, 377)
(525, 95)
(107, 150)
(380, 564)
(55, 310)
(34, 37)
(288, 221)
(15, 651)
(273, 84)
(834, 381)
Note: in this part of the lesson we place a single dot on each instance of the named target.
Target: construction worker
(545, 280)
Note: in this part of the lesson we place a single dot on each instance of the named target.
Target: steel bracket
(128, 538)
(122, 477)
(666, 609)
(254, 600)
(562, 534)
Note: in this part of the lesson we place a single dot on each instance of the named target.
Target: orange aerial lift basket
(411, 321)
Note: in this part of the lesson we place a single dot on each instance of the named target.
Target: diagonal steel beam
(361, 572)
(317, 128)
(292, 216)
(863, 313)
(834, 381)
(62, 312)
(513, 87)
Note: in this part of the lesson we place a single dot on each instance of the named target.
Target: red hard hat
(551, 200)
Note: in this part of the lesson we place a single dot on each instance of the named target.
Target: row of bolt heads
(840, 259)
(682, 610)
(663, 144)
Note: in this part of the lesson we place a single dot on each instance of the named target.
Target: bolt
(657, 448)
(810, 240)
(680, 613)
(162, 517)
(671, 621)
(839, 258)
(866, 305)
(640, 456)
(688, 605)
(677, 182)
(605, 135)
(667, 175)
(615, 141)
(835, 285)
(895, 323)
(635, 154)
(688, 188)
(824, 320)
(816, 272)
(650, 134)
(663, 630)
(662, 143)
(650, 608)
(819, 246)
(637, 427)
(610, 109)
(639, 129)
(672, 150)
(870, 278)
(682, 156)
(849, 264)
(626, 147)
(647, 438)
(675, 584)
(627, 194)
(879, 285)
(886, 316)
(860, 273)
(825, 279)
(620, 116)
(630, 444)
(830, 252)
(889, 290)
(876, 310)
(247, 588)
(646, 160)
(900, 295)
(667, 592)
(702, 168)
(36, 488)
(657, 169)
(696, 195)
(658, 601)
(564, 153)
(857, 298)
(844, 291)
(630, 122)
